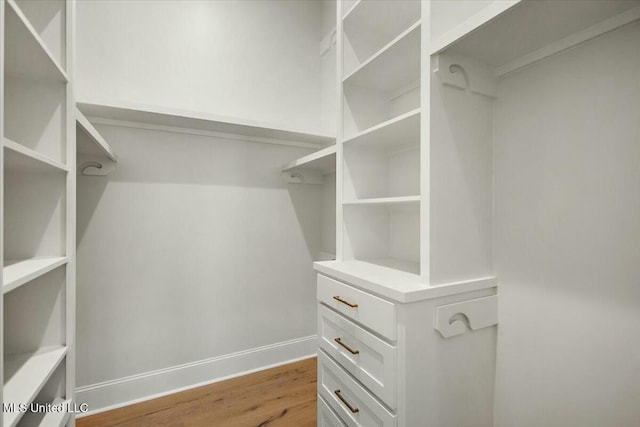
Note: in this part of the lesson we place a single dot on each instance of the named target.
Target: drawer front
(375, 313)
(369, 359)
(326, 416)
(355, 406)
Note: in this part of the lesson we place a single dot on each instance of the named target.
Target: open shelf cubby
(383, 164)
(35, 51)
(386, 234)
(34, 116)
(34, 213)
(370, 26)
(34, 314)
(385, 86)
(48, 20)
(34, 345)
(32, 376)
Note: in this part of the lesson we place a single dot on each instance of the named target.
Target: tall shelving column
(38, 210)
(379, 173)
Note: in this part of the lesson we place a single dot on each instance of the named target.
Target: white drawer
(375, 313)
(326, 416)
(353, 404)
(369, 359)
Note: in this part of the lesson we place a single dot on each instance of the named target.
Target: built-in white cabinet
(38, 210)
(407, 311)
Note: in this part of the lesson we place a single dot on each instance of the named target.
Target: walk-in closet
(336, 213)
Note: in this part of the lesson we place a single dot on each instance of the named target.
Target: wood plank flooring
(281, 396)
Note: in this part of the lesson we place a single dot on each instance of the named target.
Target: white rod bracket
(95, 166)
(464, 73)
(303, 177)
(456, 319)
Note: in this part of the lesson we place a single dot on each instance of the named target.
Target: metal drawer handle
(349, 349)
(351, 408)
(337, 298)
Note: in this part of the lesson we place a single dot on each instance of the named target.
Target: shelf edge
(383, 125)
(10, 419)
(94, 135)
(198, 123)
(380, 201)
(302, 161)
(33, 155)
(383, 50)
(14, 284)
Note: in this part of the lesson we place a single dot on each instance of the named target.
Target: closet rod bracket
(94, 165)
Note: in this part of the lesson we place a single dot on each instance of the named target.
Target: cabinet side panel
(461, 184)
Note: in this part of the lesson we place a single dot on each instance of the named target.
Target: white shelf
(353, 7)
(398, 132)
(323, 161)
(89, 140)
(166, 117)
(56, 419)
(386, 19)
(24, 376)
(509, 30)
(26, 53)
(19, 157)
(17, 273)
(395, 66)
(386, 201)
(389, 278)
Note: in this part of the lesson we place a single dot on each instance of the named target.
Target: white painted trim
(145, 386)
(175, 129)
(573, 40)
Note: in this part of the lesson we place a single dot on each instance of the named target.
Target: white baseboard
(125, 391)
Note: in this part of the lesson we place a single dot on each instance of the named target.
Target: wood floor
(282, 396)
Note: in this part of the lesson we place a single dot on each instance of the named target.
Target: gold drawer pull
(351, 408)
(352, 351)
(337, 298)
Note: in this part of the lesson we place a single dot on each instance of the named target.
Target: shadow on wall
(156, 157)
(88, 192)
(306, 201)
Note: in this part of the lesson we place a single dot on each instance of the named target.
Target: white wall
(193, 248)
(567, 234)
(328, 68)
(249, 59)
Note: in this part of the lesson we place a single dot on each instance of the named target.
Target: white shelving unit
(379, 141)
(38, 210)
(382, 279)
(380, 64)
